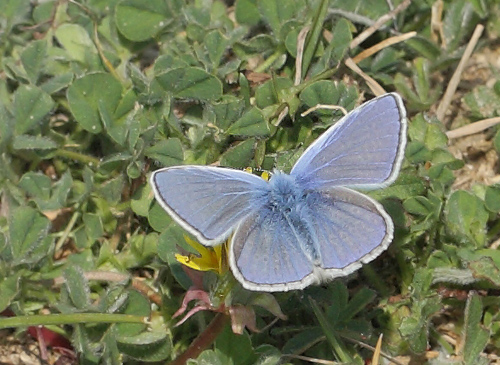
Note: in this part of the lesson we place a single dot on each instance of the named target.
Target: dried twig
(455, 79)
(384, 44)
(379, 23)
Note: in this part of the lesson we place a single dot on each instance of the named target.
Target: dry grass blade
(384, 44)
(312, 360)
(455, 79)
(372, 84)
(473, 128)
(437, 23)
(379, 23)
(378, 350)
(301, 40)
(324, 106)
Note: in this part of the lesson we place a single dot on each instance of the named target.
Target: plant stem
(78, 157)
(57, 319)
(204, 339)
(269, 61)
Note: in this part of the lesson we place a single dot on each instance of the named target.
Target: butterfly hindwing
(208, 201)
(362, 150)
(327, 235)
(349, 228)
(266, 253)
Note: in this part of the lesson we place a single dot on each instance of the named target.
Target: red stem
(204, 339)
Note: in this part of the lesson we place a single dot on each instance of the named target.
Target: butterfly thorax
(285, 193)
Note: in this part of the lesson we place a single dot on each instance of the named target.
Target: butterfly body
(304, 227)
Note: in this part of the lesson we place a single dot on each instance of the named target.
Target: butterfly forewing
(363, 150)
(208, 201)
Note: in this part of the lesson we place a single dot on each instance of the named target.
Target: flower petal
(241, 317)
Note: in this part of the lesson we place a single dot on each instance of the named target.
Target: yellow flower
(207, 259)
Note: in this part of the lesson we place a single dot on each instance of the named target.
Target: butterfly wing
(207, 201)
(362, 150)
(331, 235)
(266, 253)
(348, 229)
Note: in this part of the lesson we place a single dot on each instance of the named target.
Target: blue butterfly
(306, 227)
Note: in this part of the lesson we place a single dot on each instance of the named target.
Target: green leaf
(336, 50)
(246, 12)
(270, 92)
(302, 341)
(276, 14)
(146, 346)
(458, 22)
(77, 286)
(216, 45)
(27, 142)
(329, 93)
(141, 200)
(313, 37)
(168, 152)
(228, 110)
(483, 102)
(158, 218)
(112, 189)
(357, 304)
(235, 347)
(31, 105)
(84, 99)
(418, 205)
(75, 39)
(211, 357)
(333, 338)
(406, 186)
(33, 58)
(38, 186)
(14, 12)
(492, 198)
(485, 268)
(136, 304)
(252, 123)
(57, 83)
(424, 46)
(191, 82)
(168, 245)
(9, 287)
(140, 20)
(93, 226)
(475, 336)
(466, 218)
(28, 235)
(239, 156)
